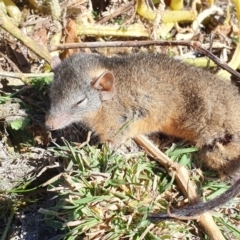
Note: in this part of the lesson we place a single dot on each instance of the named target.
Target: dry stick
(14, 66)
(117, 12)
(193, 44)
(188, 188)
(41, 51)
(23, 76)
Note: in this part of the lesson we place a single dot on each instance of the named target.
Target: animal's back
(194, 98)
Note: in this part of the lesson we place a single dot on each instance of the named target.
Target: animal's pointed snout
(56, 121)
(48, 126)
(49, 122)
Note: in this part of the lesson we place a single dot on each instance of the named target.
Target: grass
(107, 195)
(104, 194)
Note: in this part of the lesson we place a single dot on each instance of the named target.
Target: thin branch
(117, 12)
(40, 50)
(23, 76)
(183, 181)
(14, 66)
(192, 44)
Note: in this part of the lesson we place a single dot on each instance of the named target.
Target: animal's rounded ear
(55, 61)
(106, 84)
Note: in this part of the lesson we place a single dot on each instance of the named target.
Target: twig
(14, 66)
(23, 76)
(117, 12)
(183, 181)
(193, 44)
(134, 30)
(215, 59)
(40, 50)
(182, 176)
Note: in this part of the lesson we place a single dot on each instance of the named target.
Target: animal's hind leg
(223, 155)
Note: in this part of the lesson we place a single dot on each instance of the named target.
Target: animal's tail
(194, 210)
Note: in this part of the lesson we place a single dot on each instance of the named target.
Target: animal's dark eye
(81, 101)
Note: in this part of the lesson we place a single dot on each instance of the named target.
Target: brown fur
(125, 96)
